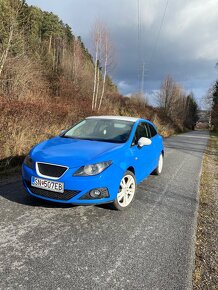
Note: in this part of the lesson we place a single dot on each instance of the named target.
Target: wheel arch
(131, 169)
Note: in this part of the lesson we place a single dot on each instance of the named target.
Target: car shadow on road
(11, 162)
(14, 192)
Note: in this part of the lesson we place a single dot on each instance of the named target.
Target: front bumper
(76, 189)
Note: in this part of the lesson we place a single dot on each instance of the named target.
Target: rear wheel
(126, 192)
(159, 168)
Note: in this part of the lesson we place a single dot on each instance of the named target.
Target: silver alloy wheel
(127, 190)
(160, 164)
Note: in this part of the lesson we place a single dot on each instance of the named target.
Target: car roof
(122, 118)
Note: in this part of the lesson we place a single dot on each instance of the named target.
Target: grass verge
(205, 275)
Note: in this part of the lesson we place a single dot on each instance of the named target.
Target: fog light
(95, 193)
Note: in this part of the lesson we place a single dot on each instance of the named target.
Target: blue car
(99, 160)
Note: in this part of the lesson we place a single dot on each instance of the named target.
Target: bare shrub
(22, 78)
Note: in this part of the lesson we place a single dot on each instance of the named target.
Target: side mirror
(144, 141)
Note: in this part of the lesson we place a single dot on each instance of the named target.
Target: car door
(142, 157)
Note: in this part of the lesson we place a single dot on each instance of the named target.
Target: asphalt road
(149, 246)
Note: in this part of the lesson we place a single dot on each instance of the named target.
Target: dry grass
(24, 124)
(205, 275)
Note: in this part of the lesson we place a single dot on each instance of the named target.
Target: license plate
(47, 184)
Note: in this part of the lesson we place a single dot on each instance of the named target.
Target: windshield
(107, 130)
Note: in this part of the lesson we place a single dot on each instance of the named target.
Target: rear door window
(153, 131)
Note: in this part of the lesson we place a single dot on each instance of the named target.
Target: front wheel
(126, 191)
(159, 168)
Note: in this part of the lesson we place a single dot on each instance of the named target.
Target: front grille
(51, 170)
(66, 195)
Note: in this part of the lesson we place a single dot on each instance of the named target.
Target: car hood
(72, 152)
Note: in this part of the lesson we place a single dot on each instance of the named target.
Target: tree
(106, 60)
(97, 41)
(167, 96)
(214, 109)
(191, 111)
(31, 23)
(9, 13)
(103, 60)
(179, 107)
(41, 42)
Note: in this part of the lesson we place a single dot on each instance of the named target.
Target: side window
(152, 130)
(141, 131)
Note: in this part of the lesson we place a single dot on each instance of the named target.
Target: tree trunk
(95, 77)
(49, 44)
(104, 80)
(74, 59)
(5, 53)
(97, 87)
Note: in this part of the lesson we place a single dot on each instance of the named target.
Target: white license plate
(47, 184)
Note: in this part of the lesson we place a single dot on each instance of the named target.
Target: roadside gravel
(205, 275)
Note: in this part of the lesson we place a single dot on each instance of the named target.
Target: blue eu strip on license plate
(47, 184)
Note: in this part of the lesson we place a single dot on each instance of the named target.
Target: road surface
(149, 246)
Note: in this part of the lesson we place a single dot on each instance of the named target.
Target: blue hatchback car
(99, 160)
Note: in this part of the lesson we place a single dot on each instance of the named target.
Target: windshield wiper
(91, 139)
(69, 137)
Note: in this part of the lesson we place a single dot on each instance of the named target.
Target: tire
(126, 193)
(159, 168)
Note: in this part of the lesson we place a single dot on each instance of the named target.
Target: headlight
(28, 161)
(92, 169)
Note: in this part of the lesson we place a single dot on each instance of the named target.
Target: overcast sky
(183, 44)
